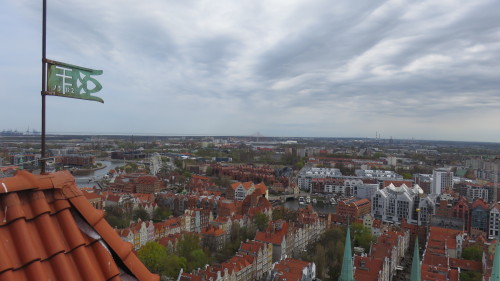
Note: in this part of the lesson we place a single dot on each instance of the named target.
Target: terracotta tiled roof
(466, 264)
(367, 268)
(235, 185)
(114, 198)
(91, 195)
(262, 187)
(479, 202)
(290, 269)
(49, 231)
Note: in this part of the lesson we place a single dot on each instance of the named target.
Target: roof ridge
(54, 202)
(24, 180)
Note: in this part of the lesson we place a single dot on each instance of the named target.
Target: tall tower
(416, 274)
(347, 273)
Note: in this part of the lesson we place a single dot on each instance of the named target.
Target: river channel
(319, 207)
(89, 179)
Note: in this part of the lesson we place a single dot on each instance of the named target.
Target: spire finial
(415, 264)
(347, 273)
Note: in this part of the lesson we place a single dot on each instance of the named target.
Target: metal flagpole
(44, 69)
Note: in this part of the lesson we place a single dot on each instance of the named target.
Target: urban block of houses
(442, 255)
(136, 183)
(289, 239)
(252, 262)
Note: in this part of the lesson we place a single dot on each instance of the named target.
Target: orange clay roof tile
(49, 231)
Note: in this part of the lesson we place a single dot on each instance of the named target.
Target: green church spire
(415, 264)
(347, 273)
(495, 272)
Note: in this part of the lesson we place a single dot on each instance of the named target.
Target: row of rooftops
(49, 231)
(441, 260)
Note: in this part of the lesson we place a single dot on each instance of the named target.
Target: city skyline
(407, 70)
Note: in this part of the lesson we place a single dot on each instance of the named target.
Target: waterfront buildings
(307, 174)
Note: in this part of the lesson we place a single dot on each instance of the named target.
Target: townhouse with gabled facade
(213, 238)
(242, 189)
(263, 254)
(383, 258)
(276, 235)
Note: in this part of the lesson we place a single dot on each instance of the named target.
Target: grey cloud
(323, 66)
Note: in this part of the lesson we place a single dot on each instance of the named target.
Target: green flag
(71, 81)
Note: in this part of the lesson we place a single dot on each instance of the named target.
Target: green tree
(153, 256)
(223, 181)
(327, 253)
(190, 249)
(407, 176)
(235, 231)
(117, 222)
(140, 213)
(470, 174)
(188, 243)
(161, 213)
(362, 236)
(261, 221)
(278, 213)
(320, 260)
(299, 165)
(470, 276)
(474, 253)
(198, 259)
(173, 265)
(117, 217)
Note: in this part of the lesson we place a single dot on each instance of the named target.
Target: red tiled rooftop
(49, 231)
(479, 202)
(466, 264)
(262, 187)
(290, 269)
(91, 195)
(189, 277)
(367, 268)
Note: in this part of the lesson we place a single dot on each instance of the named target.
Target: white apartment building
(378, 174)
(494, 222)
(306, 175)
(392, 203)
(442, 178)
(474, 192)
(364, 190)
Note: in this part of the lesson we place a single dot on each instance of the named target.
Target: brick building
(354, 207)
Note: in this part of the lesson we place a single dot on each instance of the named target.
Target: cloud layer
(407, 69)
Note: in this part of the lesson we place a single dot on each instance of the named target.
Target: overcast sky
(406, 69)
